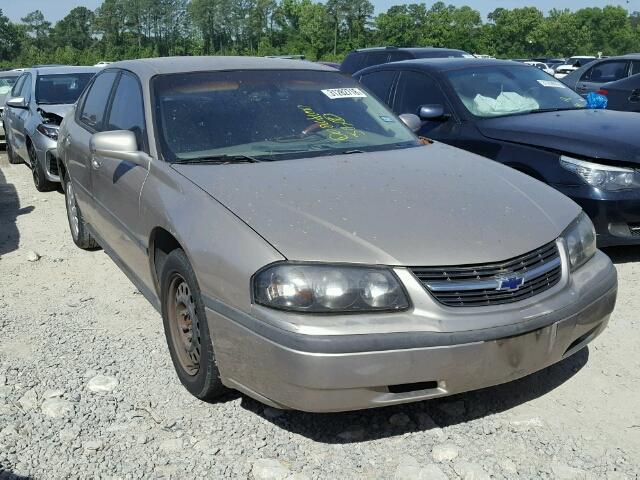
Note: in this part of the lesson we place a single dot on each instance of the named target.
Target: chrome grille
(493, 283)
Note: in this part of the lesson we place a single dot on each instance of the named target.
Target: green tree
(37, 27)
(75, 30)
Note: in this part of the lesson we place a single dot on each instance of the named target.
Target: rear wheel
(13, 158)
(81, 236)
(39, 176)
(186, 329)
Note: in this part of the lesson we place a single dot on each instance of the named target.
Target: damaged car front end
(33, 113)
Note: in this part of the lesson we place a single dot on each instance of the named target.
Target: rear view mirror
(120, 145)
(412, 121)
(17, 102)
(431, 112)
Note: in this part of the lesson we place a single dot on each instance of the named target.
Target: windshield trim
(155, 116)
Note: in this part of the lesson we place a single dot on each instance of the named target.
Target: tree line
(123, 29)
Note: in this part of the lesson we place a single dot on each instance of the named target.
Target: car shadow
(623, 254)
(374, 424)
(9, 212)
(7, 475)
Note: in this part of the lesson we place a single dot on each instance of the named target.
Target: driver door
(116, 184)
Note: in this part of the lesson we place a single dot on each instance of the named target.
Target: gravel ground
(87, 389)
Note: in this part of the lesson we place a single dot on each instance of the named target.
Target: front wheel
(186, 329)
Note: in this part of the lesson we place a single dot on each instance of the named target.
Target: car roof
(408, 49)
(10, 73)
(148, 67)
(445, 64)
(61, 70)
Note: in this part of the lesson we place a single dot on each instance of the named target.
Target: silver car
(32, 114)
(305, 248)
(7, 81)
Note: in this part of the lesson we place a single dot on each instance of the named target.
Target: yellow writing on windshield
(335, 126)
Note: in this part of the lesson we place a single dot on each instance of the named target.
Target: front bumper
(46, 151)
(616, 215)
(323, 373)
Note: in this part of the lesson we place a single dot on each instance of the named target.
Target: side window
(379, 83)
(25, 91)
(606, 72)
(635, 67)
(95, 103)
(127, 109)
(15, 91)
(352, 63)
(417, 89)
(376, 58)
(399, 56)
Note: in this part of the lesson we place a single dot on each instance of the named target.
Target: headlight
(603, 177)
(328, 289)
(48, 131)
(581, 241)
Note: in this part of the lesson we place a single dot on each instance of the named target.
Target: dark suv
(368, 57)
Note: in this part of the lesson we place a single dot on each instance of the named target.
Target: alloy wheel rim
(72, 210)
(184, 324)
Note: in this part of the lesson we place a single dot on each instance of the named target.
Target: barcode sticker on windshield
(552, 84)
(334, 93)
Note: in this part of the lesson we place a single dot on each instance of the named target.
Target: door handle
(95, 163)
(635, 96)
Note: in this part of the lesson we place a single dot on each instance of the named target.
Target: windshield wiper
(220, 160)
(556, 109)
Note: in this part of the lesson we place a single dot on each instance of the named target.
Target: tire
(78, 227)
(13, 158)
(189, 342)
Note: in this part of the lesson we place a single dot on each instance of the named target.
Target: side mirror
(120, 145)
(18, 102)
(432, 112)
(412, 121)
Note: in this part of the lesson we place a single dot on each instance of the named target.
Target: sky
(56, 9)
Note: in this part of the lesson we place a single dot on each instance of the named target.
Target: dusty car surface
(33, 111)
(306, 249)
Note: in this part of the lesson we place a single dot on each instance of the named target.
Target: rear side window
(95, 103)
(415, 90)
(352, 63)
(635, 67)
(379, 83)
(399, 56)
(127, 109)
(376, 58)
(606, 72)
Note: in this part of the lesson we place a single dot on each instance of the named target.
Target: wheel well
(161, 244)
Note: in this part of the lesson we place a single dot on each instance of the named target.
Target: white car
(572, 65)
(542, 66)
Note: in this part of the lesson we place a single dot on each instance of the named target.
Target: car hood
(603, 134)
(432, 205)
(59, 110)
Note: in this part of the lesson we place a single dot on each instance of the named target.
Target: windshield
(497, 91)
(6, 84)
(62, 89)
(271, 113)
